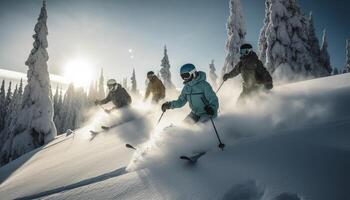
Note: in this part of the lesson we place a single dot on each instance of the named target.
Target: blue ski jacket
(198, 93)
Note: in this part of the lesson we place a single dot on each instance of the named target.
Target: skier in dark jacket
(198, 93)
(117, 94)
(154, 87)
(254, 74)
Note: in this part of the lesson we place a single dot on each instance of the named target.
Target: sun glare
(79, 72)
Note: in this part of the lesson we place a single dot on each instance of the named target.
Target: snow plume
(286, 108)
(236, 35)
(34, 126)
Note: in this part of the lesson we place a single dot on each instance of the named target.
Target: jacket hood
(200, 77)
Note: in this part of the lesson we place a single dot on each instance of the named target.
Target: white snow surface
(292, 143)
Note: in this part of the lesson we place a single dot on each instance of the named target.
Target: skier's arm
(106, 100)
(181, 101)
(210, 96)
(235, 71)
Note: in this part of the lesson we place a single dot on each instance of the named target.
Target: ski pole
(221, 145)
(220, 87)
(160, 118)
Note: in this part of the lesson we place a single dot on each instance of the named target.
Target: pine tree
(133, 82)
(314, 46)
(347, 65)
(165, 71)
(125, 83)
(263, 33)
(101, 88)
(325, 59)
(286, 45)
(335, 71)
(34, 126)
(212, 75)
(8, 96)
(236, 33)
(92, 93)
(2, 105)
(20, 88)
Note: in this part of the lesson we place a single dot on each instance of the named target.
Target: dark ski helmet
(111, 83)
(188, 72)
(245, 49)
(150, 74)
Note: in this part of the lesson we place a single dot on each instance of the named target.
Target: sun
(79, 72)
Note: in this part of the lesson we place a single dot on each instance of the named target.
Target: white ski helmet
(111, 83)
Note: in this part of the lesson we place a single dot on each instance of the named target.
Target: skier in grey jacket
(117, 94)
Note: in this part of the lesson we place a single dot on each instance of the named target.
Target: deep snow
(290, 144)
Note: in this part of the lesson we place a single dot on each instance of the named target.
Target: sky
(102, 33)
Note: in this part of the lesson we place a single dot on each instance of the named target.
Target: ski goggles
(244, 52)
(186, 76)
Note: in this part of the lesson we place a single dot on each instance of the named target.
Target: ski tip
(130, 146)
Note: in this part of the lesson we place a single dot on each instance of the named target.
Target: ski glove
(166, 106)
(268, 86)
(225, 77)
(209, 110)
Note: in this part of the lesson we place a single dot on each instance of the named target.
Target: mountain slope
(292, 142)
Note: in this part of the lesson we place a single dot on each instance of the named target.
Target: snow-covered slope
(290, 144)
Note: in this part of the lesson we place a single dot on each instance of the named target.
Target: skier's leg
(191, 118)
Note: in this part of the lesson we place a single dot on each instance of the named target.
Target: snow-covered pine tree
(34, 125)
(325, 59)
(335, 71)
(165, 71)
(101, 86)
(58, 112)
(91, 93)
(347, 65)
(314, 47)
(263, 34)
(236, 33)
(125, 83)
(133, 82)
(212, 75)
(286, 43)
(8, 98)
(2, 105)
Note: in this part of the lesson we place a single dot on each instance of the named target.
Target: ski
(106, 128)
(193, 159)
(93, 134)
(130, 146)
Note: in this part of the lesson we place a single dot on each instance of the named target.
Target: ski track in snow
(291, 145)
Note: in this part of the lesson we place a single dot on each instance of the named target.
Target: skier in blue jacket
(198, 93)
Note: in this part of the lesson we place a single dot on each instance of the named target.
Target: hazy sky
(102, 32)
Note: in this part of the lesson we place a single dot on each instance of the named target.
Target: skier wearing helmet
(117, 94)
(254, 74)
(154, 87)
(198, 93)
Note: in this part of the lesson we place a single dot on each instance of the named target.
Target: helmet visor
(186, 76)
(244, 52)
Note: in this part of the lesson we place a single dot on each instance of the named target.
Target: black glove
(225, 77)
(166, 106)
(209, 110)
(97, 102)
(268, 86)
